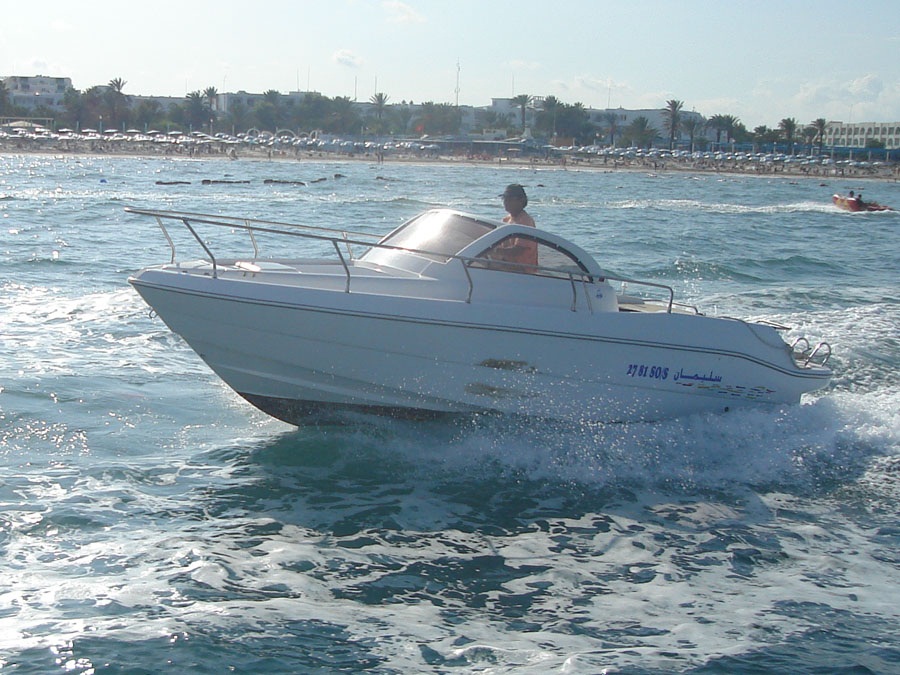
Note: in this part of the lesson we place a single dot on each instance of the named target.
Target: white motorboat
(437, 317)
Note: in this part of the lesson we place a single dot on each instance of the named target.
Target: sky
(759, 60)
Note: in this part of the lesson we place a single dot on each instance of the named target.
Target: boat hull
(296, 353)
(854, 205)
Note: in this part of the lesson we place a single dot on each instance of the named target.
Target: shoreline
(885, 173)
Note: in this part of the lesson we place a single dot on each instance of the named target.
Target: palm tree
(379, 101)
(763, 135)
(716, 122)
(268, 111)
(238, 116)
(693, 126)
(211, 94)
(731, 123)
(438, 118)
(612, 125)
(147, 113)
(809, 135)
(91, 101)
(404, 116)
(640, 133)
(820, 126)
(550, 108)
(342, 118)
(197, 110)
(789, 127)
(487, 119)
(522, 100)
(726, 123)
(116, 101)
(265, 116)
(672, 119)
(579, 122)
(74, 105)
(4, 97)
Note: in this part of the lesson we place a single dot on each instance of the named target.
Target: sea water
(151, 521)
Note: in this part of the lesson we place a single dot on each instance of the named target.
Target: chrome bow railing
(343, 241)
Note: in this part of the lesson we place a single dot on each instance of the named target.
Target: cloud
(519, 65)
(39, 65)
(863, 98)
(58, 25)
(591, 83)
(868, 87)
(598, 92)
(558, 86)
(400, 12)
(720, 105)
(345, 57)
(812, 94)
(856, 98)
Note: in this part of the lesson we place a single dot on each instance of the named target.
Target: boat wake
(698, 206)
(805, 448)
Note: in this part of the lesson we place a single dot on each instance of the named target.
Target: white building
(656, 118)
(36, 91)
(858, 134)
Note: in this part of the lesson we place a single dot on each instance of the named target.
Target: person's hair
(516, 191)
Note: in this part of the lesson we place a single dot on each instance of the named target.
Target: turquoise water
(151, 521)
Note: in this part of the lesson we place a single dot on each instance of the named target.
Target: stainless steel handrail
(668, 289)
(337, 249)
(800, 346)
(231, 220)
(168, 238)
(806, 354)
(272, 227)
(823, 359)
(203, 244)
(468, 279)
(253, 241)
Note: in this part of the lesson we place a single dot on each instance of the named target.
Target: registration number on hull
(643, 370)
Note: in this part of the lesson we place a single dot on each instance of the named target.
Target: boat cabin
(442, 235)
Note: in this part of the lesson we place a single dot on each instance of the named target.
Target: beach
(609, 160)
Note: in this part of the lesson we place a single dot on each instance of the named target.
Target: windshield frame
(436, 235)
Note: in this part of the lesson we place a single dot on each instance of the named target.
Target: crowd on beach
(198, 144)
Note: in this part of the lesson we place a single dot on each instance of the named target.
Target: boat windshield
(441, 233)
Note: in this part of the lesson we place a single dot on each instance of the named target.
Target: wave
(696, 205)
(828, 442)
(692, 270)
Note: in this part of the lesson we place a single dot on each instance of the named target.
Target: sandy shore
(568, 162)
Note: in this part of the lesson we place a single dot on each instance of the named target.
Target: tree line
(109, 107)
(558, 118)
